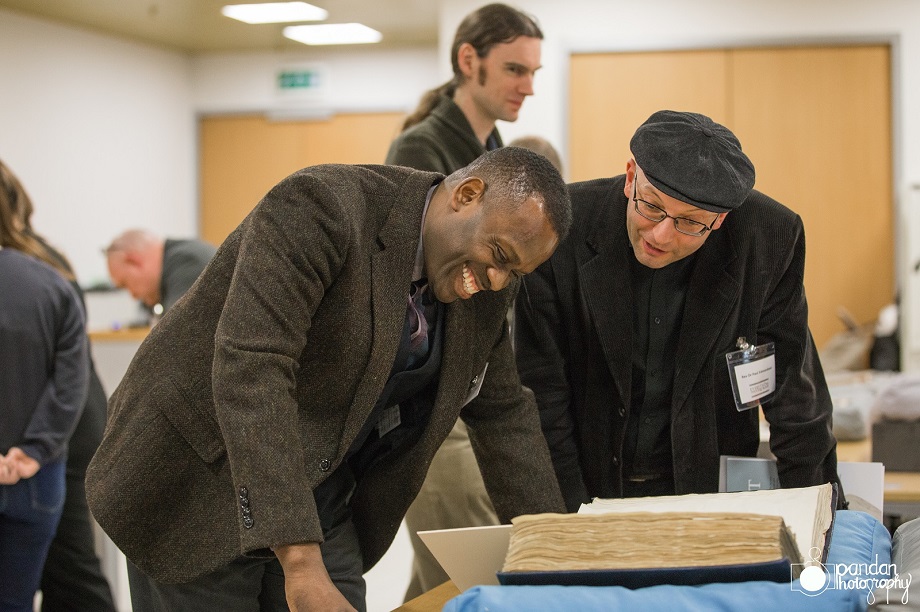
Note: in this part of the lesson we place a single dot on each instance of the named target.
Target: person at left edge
(44, 372)
(272, 430)
(72, 579)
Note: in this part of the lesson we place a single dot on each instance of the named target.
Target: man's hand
(16, 465)
(306, 582)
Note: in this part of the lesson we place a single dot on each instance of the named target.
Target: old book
(682, 539)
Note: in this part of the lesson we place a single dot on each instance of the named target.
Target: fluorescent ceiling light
(333, 34)
(274, 12)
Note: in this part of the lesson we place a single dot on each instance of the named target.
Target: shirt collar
(419, 271)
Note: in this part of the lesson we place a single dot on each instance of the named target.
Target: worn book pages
(639, 540)
(807, 512)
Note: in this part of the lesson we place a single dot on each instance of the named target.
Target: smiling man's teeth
(469, 282)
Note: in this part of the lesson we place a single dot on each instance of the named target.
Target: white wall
(100, 131)
(103, 132)
(359, 79)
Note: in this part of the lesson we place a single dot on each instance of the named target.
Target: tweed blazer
(574, 348)
(250, 390)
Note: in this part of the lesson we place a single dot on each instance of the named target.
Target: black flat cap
(690, 157)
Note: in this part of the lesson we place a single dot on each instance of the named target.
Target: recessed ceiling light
(333, 34)
(274, 12)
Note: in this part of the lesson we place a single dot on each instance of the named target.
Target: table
(432, 601)
(902, 489)
(127, 334)
(113, 351)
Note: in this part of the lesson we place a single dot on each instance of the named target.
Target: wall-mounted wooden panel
(242, 157)
(612, 93)
(817, 123)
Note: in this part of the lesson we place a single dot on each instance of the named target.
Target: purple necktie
(418, 325)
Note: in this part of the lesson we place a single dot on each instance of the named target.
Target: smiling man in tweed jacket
(272, 409)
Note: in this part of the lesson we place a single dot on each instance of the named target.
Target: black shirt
(658, 306)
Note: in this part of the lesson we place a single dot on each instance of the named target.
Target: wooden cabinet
(242, 157)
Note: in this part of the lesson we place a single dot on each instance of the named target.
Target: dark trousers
(72, 580)
(257, 585)
(29, 514)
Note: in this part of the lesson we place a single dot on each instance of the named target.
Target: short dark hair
(513, 174)
(484, 28)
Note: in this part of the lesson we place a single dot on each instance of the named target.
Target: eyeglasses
(681, 224)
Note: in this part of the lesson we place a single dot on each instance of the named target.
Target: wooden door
(817, 124)
(612, 94)
(242, 157)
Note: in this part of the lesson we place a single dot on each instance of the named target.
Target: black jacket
(574, 346)
(442, 142)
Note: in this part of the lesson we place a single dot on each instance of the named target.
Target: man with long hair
(495, 54)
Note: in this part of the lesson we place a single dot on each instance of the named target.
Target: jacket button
(244, 492)
(474, 381)
(248, 522)
(325, 464)
(616, 461)
(622, 411)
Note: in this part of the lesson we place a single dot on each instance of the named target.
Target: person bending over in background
(156, 270)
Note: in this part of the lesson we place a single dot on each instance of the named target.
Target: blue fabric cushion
(860, 551)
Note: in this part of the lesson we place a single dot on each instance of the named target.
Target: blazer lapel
(606, 289)
(391, 275)
(454, 380)
(712, 294)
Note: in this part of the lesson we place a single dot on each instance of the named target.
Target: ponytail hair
(428, 101)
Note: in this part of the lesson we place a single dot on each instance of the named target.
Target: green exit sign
(298, 80)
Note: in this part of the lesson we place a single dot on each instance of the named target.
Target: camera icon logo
(812, 579)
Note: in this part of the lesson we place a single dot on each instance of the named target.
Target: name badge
(752, 372)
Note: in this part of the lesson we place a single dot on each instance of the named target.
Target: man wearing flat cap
(676, 276)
